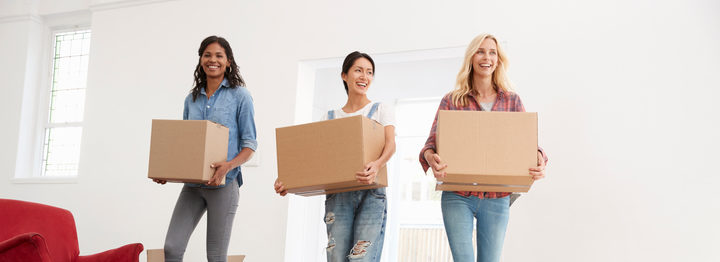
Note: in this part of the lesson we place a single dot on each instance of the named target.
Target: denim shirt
(230, 107)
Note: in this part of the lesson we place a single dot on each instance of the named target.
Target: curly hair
(232, 73)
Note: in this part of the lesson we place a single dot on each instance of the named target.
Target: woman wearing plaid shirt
(482, 85)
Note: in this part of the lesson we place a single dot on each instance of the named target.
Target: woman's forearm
(243, 156)
(389, 148)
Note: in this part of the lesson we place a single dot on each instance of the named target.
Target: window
(421, 235)
(63, 128)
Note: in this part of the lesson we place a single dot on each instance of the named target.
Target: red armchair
(34, 232)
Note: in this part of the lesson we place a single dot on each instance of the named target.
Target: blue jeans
(355, 224)
(492, 218)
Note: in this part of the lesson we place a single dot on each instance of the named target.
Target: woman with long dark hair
(219, 95)
(355, 220)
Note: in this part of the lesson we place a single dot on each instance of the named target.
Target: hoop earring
(229, 69)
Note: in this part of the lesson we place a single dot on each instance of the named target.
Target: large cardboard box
(487, 151)
(236, 258)
(155, 255)
(158, 255)
(323, 157)
(183, 150)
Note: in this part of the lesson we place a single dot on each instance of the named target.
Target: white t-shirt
(385, 115)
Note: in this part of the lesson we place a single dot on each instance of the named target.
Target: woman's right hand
(436, 163)
(159, 181)
(279, 188)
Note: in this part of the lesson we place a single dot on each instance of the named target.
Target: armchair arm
(126, 253)
(27, 247)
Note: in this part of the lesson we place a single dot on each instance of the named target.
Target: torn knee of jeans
(360, 249)
(331, 243)
(329, 218)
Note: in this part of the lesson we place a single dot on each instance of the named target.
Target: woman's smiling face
(214, 61)
(485, 59)
(359, 77)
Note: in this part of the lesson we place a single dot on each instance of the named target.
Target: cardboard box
(155, 255)
(183, 150)
(158, 255)
(236, 258)
(487, 151)
(323, 157)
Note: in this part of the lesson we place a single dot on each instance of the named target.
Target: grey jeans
(221, 205)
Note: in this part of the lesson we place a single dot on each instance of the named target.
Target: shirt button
(208, 106)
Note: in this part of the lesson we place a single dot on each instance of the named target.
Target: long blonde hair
(463, 85)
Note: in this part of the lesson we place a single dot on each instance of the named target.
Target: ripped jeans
(356, 225)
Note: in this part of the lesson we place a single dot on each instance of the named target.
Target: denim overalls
(355, 221)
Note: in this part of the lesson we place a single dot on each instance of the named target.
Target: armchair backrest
(56, 225)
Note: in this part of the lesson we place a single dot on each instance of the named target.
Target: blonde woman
(482, 85)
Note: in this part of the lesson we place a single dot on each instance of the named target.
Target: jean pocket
(378, 192)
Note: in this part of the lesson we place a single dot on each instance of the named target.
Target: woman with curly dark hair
(219, 95)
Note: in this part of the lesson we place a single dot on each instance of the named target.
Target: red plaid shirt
(509, 102)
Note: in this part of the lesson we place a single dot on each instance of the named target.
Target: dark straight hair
(350, 60)
(231, 73)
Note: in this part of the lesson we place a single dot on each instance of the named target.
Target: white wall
(624, 90)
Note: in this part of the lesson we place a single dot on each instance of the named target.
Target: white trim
(73, 20)
(45, 96)
(21, 18)
(45, 180)
(36, 94)
(123, 4)
(64, 124)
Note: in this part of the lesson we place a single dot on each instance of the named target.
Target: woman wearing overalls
(355, 220)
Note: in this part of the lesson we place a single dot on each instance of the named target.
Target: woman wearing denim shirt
(482, 85)
(219, 95)
(355, 221)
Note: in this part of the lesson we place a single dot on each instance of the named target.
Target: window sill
(45, 180)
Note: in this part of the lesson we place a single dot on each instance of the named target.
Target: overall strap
(373, 109)
(331, 114)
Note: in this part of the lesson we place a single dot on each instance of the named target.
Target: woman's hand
(221, 169)
(538, 172)
(279, 188)
(367, 176)
(436, 163)
(159, 181)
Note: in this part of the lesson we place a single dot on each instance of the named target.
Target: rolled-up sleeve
(430, 142)
(246, 123)
(186, 110)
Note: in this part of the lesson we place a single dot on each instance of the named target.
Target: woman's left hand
(221, 169)
(538, 172)
(367, 176)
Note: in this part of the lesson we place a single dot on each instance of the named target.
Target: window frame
(29, 167)
(44, 114)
